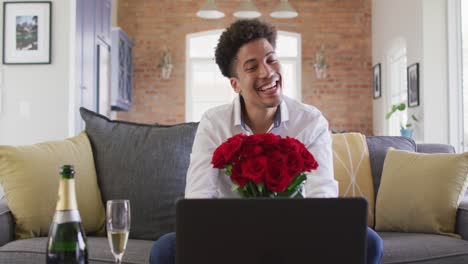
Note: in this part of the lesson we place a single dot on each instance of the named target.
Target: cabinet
(93, 20)
(121, 70)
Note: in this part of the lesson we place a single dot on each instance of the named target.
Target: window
(464, 36)
(457, 58)
(206, 87)
(398, 89)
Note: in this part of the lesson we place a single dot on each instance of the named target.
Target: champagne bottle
(67, 240)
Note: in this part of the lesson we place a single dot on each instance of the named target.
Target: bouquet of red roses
(265, 165)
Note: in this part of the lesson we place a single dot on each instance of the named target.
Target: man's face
(258, 75)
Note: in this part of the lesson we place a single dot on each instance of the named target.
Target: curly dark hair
(237, 34)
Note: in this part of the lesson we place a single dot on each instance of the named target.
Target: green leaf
(252, 188)
(395, 107)
(261, 189)
(401, 107)
(298, 194)
(228, 170)
(388, 115)
(234, 187)
(243, 191)
(296, 181)
(289, 193)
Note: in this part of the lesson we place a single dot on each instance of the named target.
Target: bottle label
(67, 196)
(67, 216)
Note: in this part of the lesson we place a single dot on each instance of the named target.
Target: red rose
(231, 147)
(294, 163)
(255, 169)
(263, 158)
(276, 178)
(271, 142)
(288, 144)
(309, 161)
(252, 147)
(236, 174)
(218, 158)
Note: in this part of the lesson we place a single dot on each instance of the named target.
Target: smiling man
(256, 78)
(246, 55)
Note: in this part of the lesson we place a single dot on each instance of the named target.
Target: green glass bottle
(67, 239)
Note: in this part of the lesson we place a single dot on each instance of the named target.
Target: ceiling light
(284, 10)
(210, 11)
(246, 10)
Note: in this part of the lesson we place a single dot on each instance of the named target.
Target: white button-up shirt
(302, 122)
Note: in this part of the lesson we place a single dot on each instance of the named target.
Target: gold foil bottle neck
(67, 195)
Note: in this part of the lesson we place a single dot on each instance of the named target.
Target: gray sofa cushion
(7, 231)
(461, 226)
(435, 148)
(146, 164)
(32, 251)
(423, 249)
(378, 147)
(398, 248)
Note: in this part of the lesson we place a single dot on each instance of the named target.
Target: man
(246, 55)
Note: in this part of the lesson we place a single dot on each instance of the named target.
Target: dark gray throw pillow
(146, 164)
(378, 147)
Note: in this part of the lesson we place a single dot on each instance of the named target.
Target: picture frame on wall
(27, 32)
(377, 81)
(413, 85)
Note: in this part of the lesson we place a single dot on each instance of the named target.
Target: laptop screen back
(273, 231)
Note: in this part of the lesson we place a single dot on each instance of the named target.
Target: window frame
(397, 53)
(455, 76)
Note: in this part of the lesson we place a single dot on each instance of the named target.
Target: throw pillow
(146, 164)
(421, 192)
(378, 147)
(30, 179)
(352, 169)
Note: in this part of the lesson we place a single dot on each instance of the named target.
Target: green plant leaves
(395, 107)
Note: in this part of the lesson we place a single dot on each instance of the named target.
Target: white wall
(434, 71)
(35, 98)
(422, 26)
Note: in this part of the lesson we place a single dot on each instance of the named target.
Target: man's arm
(320, 183)
(202, 178)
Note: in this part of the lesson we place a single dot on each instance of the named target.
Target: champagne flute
(118, 226)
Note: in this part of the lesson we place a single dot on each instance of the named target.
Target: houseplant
(406, 129)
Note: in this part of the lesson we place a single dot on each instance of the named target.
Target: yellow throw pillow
(421, 192)
(30, 177)
(352, 169)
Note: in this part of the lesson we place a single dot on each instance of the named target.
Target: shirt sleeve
(320, 183)
(202, 178)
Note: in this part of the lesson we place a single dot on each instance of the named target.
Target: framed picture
(413, 85)
(377, 83)
(27, 32)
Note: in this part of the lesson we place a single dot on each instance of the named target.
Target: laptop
(271, 231)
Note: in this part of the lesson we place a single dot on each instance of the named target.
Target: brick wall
(342, 26)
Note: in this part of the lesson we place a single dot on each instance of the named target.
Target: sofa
(147, 164)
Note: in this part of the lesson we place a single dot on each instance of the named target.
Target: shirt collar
(280, 116)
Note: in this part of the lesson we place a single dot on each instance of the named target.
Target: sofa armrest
(435, 148)
(462, 218)
(7, 226)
